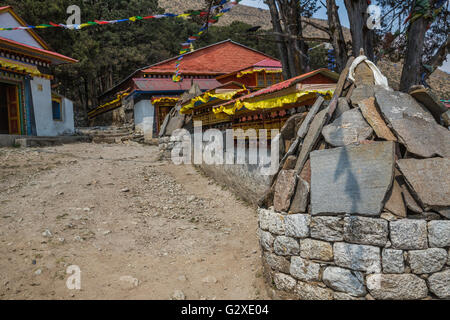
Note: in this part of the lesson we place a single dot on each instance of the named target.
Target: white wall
(144, 114)
(42, 103)
(22, 36)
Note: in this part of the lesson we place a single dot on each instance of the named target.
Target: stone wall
(352, 257)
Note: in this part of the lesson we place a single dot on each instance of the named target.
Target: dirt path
(138, 228)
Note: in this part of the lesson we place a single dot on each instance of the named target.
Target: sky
(322, 14)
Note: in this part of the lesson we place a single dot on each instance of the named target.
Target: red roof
(163, 85)
(45, 53)
(220, 58)
(286, 84)
(268, 63)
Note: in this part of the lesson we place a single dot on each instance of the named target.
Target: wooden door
(13, 109)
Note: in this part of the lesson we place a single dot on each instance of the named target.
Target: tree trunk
(412, 66)
(362, 37)
(281, 44)
(337, 35)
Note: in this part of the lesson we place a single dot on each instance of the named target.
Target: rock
(209, 279)
(440, 284)
(300, 200)
(427, 261)
(373, 117)
(345, 297)
(47, 234)
(428, 216)
(409, 234)
(306, 172)
(343, 280)
(366, 231)
(130, 281)
(125, 190)
(357, 257)
(289, 164)
(342, 107)
(388, 216)
(271, 221)
(349, 128)
(304, 128)
(393, 261)
(38, 272)
(439, 233)
(413, 124)
(446, 118)
(286, 246)
(394, 202)
(178, 295)
(361, 93)
(297, 225)
(396, 287)
(311, 138)
(284, 190)
(277, 263)
(266, 240)
(353, 179)
(284, 282)
(316, 250)
(429, 101)
(306, 291)
(445, 212)
(304, 270)
(410, 202)
(429, 180)
(288, 130)
(327, 228)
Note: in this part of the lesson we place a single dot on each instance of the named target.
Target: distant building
(147, 96)
(27, 104)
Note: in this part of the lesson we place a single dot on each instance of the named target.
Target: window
(57, 109)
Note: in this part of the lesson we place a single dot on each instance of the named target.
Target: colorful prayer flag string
(104, 22)
(225, 6)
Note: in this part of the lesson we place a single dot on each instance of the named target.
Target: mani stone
(393, 261)
(410, 202)
(299, 203)
(373, 117)
(429, 179)
(284, 189)
(306, 291)
(311, 139)
(361, 93)
(284, 282)
(266, 239)
(352, 179)
(277, 263)
(427, 261)
(430, 101)
(439, 234)
(440, 284)
(316, 250)
(369, 231)
(286, 246)
(297, 225)
(304, 270)
(357, 257)
(327, 228)
(271, 221)
(413, 124)
(343, 280)
(409, 234)
(349, 128)
(396, 287)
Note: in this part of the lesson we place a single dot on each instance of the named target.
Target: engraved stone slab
(353, 179)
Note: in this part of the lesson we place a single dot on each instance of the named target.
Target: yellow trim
(273, 103)
(206, 97)
(243, 73)
(165, 99)
(22, 68)
(118, 99)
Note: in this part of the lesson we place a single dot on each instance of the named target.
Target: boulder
(440, 284)
(316, 250)
(396, 287)
(304, 270)
(427, 261)
(357, 257)
(409, 234)
(393, 261)
(343, 280)
(439, 234)
(327, 228)
(369, 231)
(297, 225)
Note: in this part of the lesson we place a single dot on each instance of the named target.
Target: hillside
(439, 81)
